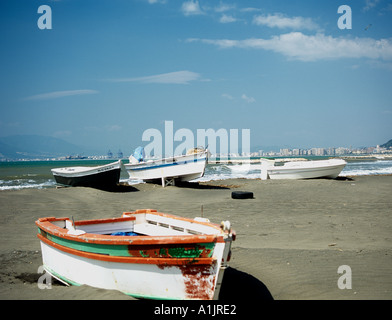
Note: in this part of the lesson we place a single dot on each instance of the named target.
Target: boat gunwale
(151, 166)
(199, 156)
(282, 169)
(85, 170)
(46, 225)
(167, 262)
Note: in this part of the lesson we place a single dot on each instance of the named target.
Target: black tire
(242, 195)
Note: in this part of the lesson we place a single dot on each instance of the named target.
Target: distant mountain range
(40, 147)
(387, 145)
(37, 147)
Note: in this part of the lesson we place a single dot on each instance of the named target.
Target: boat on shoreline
(104, 176)
(144, 254)
(312, 169)
(168, 170)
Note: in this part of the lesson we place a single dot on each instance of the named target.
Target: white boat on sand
(104, 176)
(167, 170)
(145, 254)
(275, 169)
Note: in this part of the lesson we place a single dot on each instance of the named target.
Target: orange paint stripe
(47, 225)
(88, 222)
(108, 220)
(136, 260)
(121, 240)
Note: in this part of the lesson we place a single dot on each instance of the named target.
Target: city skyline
(100, 73)
(36, 147)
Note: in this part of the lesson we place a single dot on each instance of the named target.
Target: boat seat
(157, 230)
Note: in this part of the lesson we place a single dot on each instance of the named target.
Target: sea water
(37, 174)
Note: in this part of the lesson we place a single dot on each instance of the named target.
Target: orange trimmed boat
(145, 254)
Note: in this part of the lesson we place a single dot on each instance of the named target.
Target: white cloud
(227, 19)
(243, 97)
(223, 7)
(248, 99)
(298, 46)
(250, 9)
(370, 4)
(223, 43)
(280, 21)
(114, 127)
(227, 96)
(191, 7)
(60, 94)
(178, 77)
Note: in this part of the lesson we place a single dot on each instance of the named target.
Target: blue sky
(109, 70)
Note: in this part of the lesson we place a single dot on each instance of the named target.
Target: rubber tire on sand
(242, 195)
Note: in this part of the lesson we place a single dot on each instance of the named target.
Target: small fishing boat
(167, 170)
(275, 169)
(144, 254)
(107, 175)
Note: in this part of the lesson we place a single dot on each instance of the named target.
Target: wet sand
(291, 237)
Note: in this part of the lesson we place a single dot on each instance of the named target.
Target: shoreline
(291, 238)
(24, 176)
(376, 156)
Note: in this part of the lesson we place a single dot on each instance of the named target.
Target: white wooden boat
(273, 169)
(145, 254)
(182, 168)
(107, 175)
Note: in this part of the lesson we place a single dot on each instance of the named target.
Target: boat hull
(307, 170)
(102, 176)
(149, 281)
(186, 264)
(182, 168)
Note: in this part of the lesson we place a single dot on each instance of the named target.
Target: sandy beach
(291, 237)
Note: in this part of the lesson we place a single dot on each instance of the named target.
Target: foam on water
(130, 182)
(226, 171)
(378, 167)
(19, 184)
